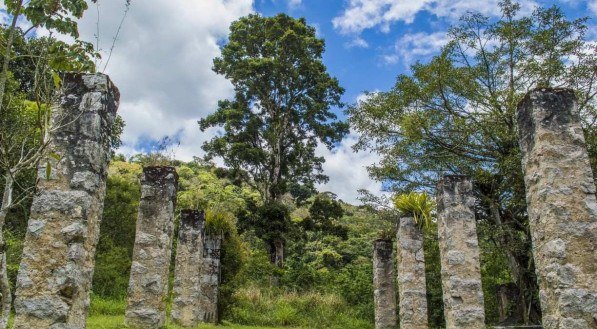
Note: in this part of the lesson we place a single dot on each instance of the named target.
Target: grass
(255, 308)
(117, 322)
(109, 314)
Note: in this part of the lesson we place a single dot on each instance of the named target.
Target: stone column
(189, 259)
(59, 250)
(384, 290)
(459, 253)
(210, 278)
(560, 194)
(412, 292)
(148, 284)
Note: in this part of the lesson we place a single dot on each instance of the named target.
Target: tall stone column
(210, 278)
(459, 253)
(412, 292)
(57, 264)
(384, 290)
(560, 194)
(189, 259)
(148, 284)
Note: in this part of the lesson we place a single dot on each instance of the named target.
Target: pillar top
(90, 81)
(192, 216)
(160, 174)
(450, 180)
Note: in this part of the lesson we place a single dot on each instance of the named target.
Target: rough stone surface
(210, 278)
(384, 290)
(412, 292)
(58, 255)
(560, 193)
(459, 254)
(148, 284)
(189, 259)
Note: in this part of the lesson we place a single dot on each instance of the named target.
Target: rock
(459, 254)
(562, 207)
(56, 269)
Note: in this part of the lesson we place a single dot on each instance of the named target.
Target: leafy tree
(456, 114)
(324, 214)
(280, 112)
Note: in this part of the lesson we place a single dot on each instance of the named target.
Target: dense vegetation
(452, 114)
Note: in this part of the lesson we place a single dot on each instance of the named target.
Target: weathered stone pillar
(148, 285)
(384, 289)
(412, 292)
(459, 253)
(189, 259)
(560, 193)
(210, 278)
(58, 255)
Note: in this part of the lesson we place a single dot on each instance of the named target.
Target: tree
(456, 114)
(279, 114)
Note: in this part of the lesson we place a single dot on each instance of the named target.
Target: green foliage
(270, 307)
(456, 114)
(417, 205)
(117, 230)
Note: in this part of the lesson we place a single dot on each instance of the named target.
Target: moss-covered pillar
(210, 278)
(189, 259)
(412, 292)
(57, 264)
(560, 194)
(384, 289)
(148, 284)
(459, 253)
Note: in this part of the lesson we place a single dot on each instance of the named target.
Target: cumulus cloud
(162, 65)
(366, 14)
(347, 170)
(416, 46)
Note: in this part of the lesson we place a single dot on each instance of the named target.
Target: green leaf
(48, 170)
(57, 80)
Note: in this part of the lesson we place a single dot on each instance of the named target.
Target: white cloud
(294, 3)
(347, 170)
(366, 14)
(416, 46)
(357, 42)
(162, 64)
(592, 6)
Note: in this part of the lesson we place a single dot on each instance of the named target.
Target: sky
(162, 58)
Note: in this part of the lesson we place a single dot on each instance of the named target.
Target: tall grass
(271, 307)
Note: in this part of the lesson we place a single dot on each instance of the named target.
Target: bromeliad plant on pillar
(418, 205)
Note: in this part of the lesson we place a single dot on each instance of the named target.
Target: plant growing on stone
(418, 205)
(280, 112)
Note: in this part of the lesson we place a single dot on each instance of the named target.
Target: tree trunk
(516, 269)
(6, 298)
(11, 36)
(276, 252)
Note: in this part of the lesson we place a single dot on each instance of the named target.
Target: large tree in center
(279, 114)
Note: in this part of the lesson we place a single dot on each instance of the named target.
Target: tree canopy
(456, 114)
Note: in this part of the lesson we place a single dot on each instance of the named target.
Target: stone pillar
(560, 194)
(189, 259)
(148, 284)
(57, 264)
(459, 253)
(384, 290)
(412, 292)
(210, 278)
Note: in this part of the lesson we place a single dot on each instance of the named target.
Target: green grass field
(117, 322)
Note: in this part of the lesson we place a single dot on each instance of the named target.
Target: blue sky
(163, 57)
(364, 56)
